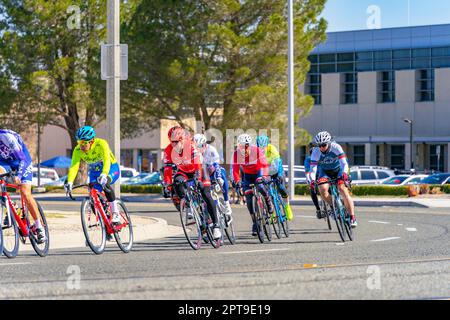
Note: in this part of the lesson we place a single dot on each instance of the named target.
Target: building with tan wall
(365, 83)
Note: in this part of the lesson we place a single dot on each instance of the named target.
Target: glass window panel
(314, 68)
(351, 98)
(401, 54)
(350, 77)
(385, 65)
(314, 78)
(364, 66)
(421, 63)
(421, 53)
(364, 56)
(440, 52)
(327, 68)
(350, 88)
(313, 58)
(327, 58)
(383, 55)
(401, 64)
(387, 76)
(345, 67)
(368, 175)
(441, 62)
(345, 57)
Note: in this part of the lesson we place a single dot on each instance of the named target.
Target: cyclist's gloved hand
(68, 187)
(280, 179)
(167, 192)
(312, 185)
(220, 181)
(344, 177)
(102, 180)
(233, 184)
(266, 179)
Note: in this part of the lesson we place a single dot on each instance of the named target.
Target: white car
(47, 176)
(127, 173)
(368, 175)
(299, 174)
(404, 180)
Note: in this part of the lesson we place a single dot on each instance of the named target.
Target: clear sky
(344, 15)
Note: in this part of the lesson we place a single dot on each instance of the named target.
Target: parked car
(137, 178)
(127, 173)
(370, 175)
(152, 179)
(299, 174)
(57, 183)
(47, 176)
(404, 180)
(439, 179)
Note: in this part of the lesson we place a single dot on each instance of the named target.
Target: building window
(398, 157)
(314, 87)
(359, 155)
(349, 88)
(126, 158)
(147, 160)
(425, 85)
(437, 158)
(386, 87)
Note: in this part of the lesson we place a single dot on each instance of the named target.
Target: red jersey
(189, 161)
(252, 163)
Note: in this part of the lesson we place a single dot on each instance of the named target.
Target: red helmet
(171, 131)
(177, 134)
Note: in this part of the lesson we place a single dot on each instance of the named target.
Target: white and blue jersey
(212, 160)
(14, 155)
(333, 162)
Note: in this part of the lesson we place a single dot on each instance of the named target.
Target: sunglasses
(175, 142)
(323, 145)
(84, 143)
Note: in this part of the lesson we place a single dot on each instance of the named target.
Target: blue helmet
(262, 141)
(85, 133)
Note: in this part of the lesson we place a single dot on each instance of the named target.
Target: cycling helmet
(85, 133)
(177, 134)
(200, 140)
(171, 130)
(244, 139)
(323, 137)
(262, 141)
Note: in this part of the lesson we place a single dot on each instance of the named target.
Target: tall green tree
(222, 61)
(50, 52)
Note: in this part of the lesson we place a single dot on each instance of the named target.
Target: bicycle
(227, 226)
(195, 218)
(278, 219)
(340, 213)
(261, 214)
(20, 224)
(96, 220)
(323, 208)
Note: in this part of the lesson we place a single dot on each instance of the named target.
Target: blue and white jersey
(211, 156)
(14, 153)
(333, 160)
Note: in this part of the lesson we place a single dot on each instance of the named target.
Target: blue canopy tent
(57, 162)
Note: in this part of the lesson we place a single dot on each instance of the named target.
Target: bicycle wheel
(124, 229)
(266, 223)
(40, 248)
(284, 220)
(10, 234)
(275, 220)
(1, 234)
(324, 210)
(190, 221)
(338, 217)
(258, 218)
(93, 227)
(209, 228)
(348, 227)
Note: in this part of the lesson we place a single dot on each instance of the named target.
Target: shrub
(363, 190)
(141, 189)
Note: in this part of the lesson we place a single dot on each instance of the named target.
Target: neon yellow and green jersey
(274, 159)
(99, 157)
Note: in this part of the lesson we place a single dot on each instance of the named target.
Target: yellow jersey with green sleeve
(99, 157)
(274, 159)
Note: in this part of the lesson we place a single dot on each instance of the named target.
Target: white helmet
(323, 137)
(200, 140)
(244, 139)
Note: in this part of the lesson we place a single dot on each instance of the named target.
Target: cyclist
(103, 167)
(307, 165)
(330, 162)
(14, 156)
(211, 159)
(168, 191)
(275, 169)
(186, 157)
(255, 169)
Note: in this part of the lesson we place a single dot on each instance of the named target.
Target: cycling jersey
(14, 153)
(334, 160)
(252, 164)
(99, 158)
(274, 159)
(307, 165)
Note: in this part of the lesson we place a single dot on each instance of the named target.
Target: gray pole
(411, 142)
(39, 152)
(291, 157)
(113, 84)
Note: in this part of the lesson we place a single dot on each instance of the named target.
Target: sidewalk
(66, 230)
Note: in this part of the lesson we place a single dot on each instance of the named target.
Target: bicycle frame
(275, 197)
(22, 225)
(336, 194)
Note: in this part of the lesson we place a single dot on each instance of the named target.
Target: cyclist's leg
(113, 176)
(266, 195)
(223, 174)
(325, 188)
(348, 201)
(205, 190)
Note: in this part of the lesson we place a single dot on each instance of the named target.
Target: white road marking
(411, 229)
(14, 264)
(308, 217)
(386, 239)
(340, 244)
(251, 251)
(380, 222)
(400, 225)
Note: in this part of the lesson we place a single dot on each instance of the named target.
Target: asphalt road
(399, 253)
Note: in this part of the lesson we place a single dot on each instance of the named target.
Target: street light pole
(291, 158)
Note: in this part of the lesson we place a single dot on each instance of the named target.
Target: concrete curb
(156, 228)
(370, 203)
